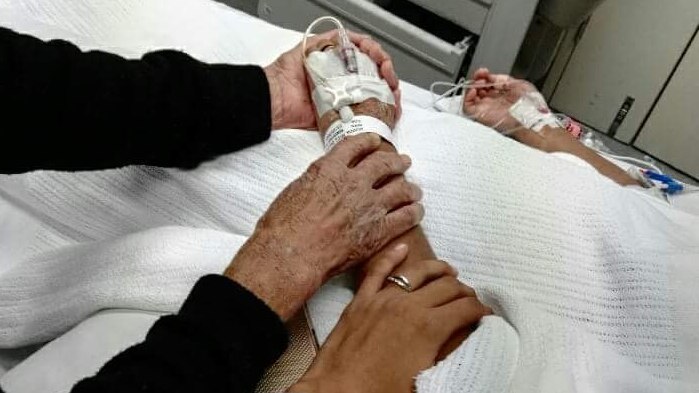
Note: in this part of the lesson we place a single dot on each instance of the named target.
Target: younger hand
(386, 336)
(291, 99)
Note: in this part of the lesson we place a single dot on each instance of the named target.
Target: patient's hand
(386, 336)
(490, 105)
(337, 214)
(291, 98)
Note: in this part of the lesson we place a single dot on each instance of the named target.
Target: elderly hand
(338, 213)
(490, 105)
(291, 99)
(386, 336)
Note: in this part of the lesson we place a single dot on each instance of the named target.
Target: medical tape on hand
(340, 130)
(348, 90)
(334, 88)
(532, 112)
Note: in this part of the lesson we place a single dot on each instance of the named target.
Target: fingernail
(421, 213)
(375, 139)
(488, 310)
(400, 248)
(418, 193)
(406, 160)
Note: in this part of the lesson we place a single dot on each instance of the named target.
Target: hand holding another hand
(291, 98)
(338, 213)
(386, 336)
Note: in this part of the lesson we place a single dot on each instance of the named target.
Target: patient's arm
(418, 245)
(554, 140)
(420, 248)
(420, 251)
(489, 102)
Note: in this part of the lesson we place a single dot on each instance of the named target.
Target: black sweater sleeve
(222, 340)
(64, 109)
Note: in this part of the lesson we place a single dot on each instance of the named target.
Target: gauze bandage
(342, 77)
(533, 113)
(530, 109)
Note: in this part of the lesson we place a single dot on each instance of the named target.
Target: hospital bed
(593, 284)
(486, 33)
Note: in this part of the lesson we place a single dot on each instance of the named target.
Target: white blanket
(594, 284)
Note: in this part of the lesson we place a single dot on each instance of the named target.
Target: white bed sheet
(213, 32)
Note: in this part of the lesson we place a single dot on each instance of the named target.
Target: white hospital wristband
(340, 130)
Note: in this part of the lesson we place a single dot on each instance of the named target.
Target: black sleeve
(64, 109)
(222, 340)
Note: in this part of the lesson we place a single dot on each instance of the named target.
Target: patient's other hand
(386, 336)
(291, 99)
(490, 105)
(337, 214)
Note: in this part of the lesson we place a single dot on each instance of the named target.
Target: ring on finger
(401, 281)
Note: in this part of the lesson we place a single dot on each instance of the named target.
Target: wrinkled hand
(386, 336)
(337, 214)
(491, 105)
(291, 99)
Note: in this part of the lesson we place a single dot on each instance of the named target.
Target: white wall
(629, 49)
(672, 131)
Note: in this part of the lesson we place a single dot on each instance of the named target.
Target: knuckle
(442, 267)
(411, 214)
(463, 290)
(354, 143)
(481, 308)
(316, 167)
(473, 306)
(444, 264)
(458, 286)
(416, 192)
(365, 139)
(407, 192)
(386, 166)
(399, 193)
(387, 159)
(359, 143)
(451, 283)
(374, 241)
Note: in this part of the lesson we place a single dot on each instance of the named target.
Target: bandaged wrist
(340, 130)
(532, 112)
